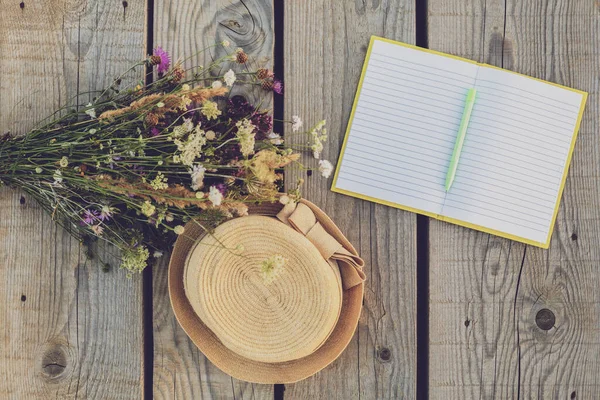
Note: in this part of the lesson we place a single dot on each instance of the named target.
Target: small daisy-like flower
(64, 162)
(148, 209)
(296, 123)
(90, 217)
(325, 168)
(215, 196)
(225, 43)
(165, 60)
(229, 78)
(169, 218)
(97, 229)
(210, 110)
(185, 87)
(157, 254)
(106, 212)
(272, 267)
(38, 170)
(217, 85)
(91, 111)
(199, 195)
(179, 229)
(197, 175)
(275, 138)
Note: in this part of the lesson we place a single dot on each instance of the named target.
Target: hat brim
(243, 368)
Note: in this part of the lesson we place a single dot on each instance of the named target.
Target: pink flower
(165, 60)
(277, 86)
(154, 132)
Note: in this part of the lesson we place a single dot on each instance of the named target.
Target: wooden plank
(184, 28)
(68, 329)
(491, 298)
(325, 46)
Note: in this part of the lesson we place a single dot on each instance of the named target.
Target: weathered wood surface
(68, 329)
(486, 293)
(185, 28)
(325, 45)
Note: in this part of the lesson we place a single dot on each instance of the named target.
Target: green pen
(460, 137)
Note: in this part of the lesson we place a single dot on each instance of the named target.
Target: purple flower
(90, 217)
(221, 188)
(277, 86)
(154, 132)
(165, 60)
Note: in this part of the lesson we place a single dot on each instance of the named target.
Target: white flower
(296, 123)
(275, 138)
(217, 85)
(318, 135)
(245, 136)
(157, 254)
(272, 267)
(229, 78)
(197, 174)
(225, 43)
(215, 196)
(91, 111)
(58, 176)
(179, 229)
(325, 168)
(38, 170)
(190, 148)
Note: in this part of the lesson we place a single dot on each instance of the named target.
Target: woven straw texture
(271, 321)
(245, 367)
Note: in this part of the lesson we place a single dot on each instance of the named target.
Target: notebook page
(402, 134)
(512, 163)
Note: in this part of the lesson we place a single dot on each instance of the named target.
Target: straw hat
(255, 319)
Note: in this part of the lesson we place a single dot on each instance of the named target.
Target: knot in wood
(545, 319)
(384, 354)
(54, 361)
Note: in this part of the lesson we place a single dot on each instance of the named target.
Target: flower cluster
(138, 163)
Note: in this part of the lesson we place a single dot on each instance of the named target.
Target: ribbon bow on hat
(300, 217)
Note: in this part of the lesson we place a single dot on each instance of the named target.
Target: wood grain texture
(184, 28)
(68, 329)
(492, 300)
(325, 45)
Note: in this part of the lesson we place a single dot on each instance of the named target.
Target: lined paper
(402, 134)
(514, 155)
(403, 127)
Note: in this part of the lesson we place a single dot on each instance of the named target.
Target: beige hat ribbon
(300, 217)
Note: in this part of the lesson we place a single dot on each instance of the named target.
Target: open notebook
(516, 151)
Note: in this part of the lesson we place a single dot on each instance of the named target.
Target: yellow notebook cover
(335, 188)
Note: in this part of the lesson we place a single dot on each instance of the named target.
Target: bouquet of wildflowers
(137, 163)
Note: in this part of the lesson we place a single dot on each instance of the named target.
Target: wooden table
(448, 311)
